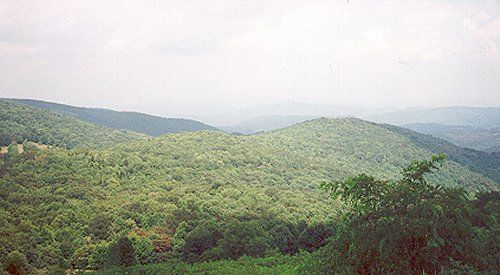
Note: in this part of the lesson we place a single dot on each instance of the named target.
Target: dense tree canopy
(191, 196)
(487, 164)
(137, 122)
(411, 226)
(19, 123)
(70, 208)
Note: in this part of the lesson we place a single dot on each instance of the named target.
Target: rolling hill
(19, 122)
(137, 122)
(64, 207)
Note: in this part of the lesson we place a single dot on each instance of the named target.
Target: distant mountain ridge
(294, 109)
(134, 121)
(488, 164)
(267, 123)
(484, 139)
(460, 116)
(20, 122)
(471, 127)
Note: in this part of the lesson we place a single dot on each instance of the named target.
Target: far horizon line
(395, 108)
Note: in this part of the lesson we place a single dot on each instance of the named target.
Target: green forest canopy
(70, 207)
(133, 121)
(20, 122)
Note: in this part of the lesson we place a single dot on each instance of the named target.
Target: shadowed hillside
(484, 139)
(137, 122)
(19, 122)
(487, 164)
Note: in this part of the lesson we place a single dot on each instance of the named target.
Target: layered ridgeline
(137, 122)
(487, 164)
(484, 139)
(461, 116)
(195, 196)
(471, 127)
(19, 123)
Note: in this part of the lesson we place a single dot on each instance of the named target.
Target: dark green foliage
(81, 257)
(278, 264)
(121, 253)
(211, 240)
(137, 122)
(100, 227)
(143, 248)
(243, 238)
(314, 237)
(200, 240)
(99, 256)
(20, 122)
(16, 263)
(410, 226)
(284, 239)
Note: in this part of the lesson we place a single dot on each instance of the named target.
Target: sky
(175, 58)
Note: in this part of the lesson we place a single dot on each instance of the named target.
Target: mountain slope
(71, 203)
(484, 139)
(487, 164)
(137, 122)
(19, 122)
(470, 116)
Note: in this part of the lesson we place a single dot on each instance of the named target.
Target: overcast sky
(186, 57)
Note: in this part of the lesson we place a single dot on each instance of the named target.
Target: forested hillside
(137, 122)
(487, 164)
(401, 226)
(250, 137)
(194, 196)
(19, 123)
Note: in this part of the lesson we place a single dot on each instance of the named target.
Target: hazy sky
(186, 57)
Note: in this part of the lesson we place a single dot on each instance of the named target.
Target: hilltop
(19, 123)
(133, 121)
(267, 123)
(288, 110)
(303, 155)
